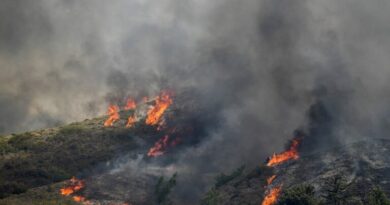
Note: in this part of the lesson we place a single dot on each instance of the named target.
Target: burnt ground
(364, 165)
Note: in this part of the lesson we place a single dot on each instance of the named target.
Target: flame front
(272, 196)
(291, 153)
(74, 186)
(156, 112)
(113, 115)
(159, 147)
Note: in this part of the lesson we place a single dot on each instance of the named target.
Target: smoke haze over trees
(260, 67)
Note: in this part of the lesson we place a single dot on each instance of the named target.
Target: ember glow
(113, 115)
(74, 186)
(130, 104)
(291, 153)
(162, 102)
(272, 197)
(271, 179)
(159, 147)
(78, 198)
(130, 121)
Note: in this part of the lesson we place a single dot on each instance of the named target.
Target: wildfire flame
(272, 196)
(159, 147)
(271, 179)
(130, 104)
(113, 115)
(74, 186)
(162, 102)
(78, 198)
(130, 121)
(291, 153)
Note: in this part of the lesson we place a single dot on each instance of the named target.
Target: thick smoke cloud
(258, 65)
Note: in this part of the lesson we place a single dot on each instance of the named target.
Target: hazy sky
(63, 60)
(259, 64)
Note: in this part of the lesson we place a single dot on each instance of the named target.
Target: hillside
(105, 161)
(363, 165)
(36, 165)
(37, 158)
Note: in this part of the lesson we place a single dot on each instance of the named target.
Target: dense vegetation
(39, 196)
(163, 189)
(212, 197)
(336, 191)
(33, 159)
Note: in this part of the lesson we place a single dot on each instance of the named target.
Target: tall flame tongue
(113, 115)
(291, 153)
(272, 196)
(131, 105)
(156, 112)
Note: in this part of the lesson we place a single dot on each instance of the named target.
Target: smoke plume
(260, 68)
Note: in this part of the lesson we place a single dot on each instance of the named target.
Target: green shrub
(336, 190)
(163, 189)
(72, 129)
(223, 179)
(377, 197)
(11, 188)
(21, 141)
(211, 198)
(6, 148)
(299, 195)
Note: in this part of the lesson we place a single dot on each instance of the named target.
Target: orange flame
(156, 112)
(74, 186)
(271, 179)
(113, 115)
(272, 197)
(130, 104)
(130, 121)
(291, 153)
(78, 198)
(159, 147)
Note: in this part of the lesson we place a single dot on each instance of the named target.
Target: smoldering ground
(257, 66)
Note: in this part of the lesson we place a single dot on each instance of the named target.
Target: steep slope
(38, 158)
(42, 157)
(364, 165)
(35, 165)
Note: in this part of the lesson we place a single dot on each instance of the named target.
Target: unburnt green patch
(47, 195)
(43, 157)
